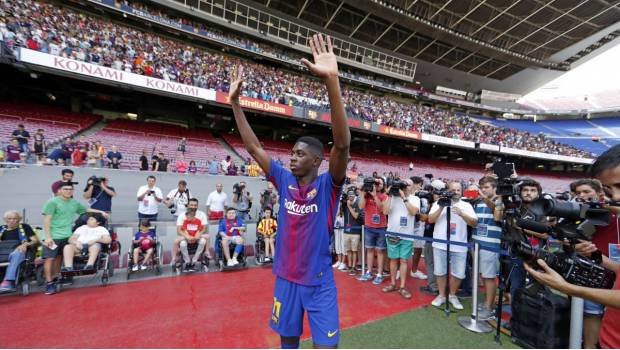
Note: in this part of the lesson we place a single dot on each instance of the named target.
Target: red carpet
(214, 310)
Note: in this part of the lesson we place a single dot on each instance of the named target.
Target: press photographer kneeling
(607, 170)
(99, 194)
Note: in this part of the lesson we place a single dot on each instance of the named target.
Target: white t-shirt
(180, 200)
(458, 226)
(200, 215)
(87, 234)
(148, 205)
(399, 219)
(217, 201)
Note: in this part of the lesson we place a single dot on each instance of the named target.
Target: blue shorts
(593, 309)
(374, 238)
(290, 300)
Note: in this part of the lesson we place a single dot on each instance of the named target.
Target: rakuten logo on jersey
(294, 208)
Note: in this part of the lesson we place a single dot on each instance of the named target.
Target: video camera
(445, 197)
(397, 185)
(94, 180)
(369, 184)
(424, 194)
(238, 188)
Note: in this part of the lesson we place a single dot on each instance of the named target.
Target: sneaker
(352, 272)
(7, 287)
(484, 313)
(143, 267)
(385, 273)
(336, 264)
(419, 275)
(235, 261)
(89, 267)
(230, 263)
(50, 288)
(378, 280)
(192, 268)
(186, 268)
(429, 290)
(454, 301)
(135, 268)
(66, 269)
(65, 280)
(438, 301)
(366, 277)
(343, 267)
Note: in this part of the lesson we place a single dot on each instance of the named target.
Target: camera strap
(92, 201)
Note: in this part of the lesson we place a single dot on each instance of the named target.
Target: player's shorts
(290, 300)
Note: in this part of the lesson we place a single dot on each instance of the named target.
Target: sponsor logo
(331, 334)
(295, 208)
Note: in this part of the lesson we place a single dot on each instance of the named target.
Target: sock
(290, 346)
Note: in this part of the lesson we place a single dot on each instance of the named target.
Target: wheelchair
(26, 272)
(178, 269)
(259, 250)
(220, 258)
(103, 262)
(156, 259)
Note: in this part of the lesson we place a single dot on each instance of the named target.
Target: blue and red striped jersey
(305, 220)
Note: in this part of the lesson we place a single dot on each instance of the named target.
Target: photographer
(418, 229)
(268, 199)
(242, 200)
(177, 199)
(462, 215)
(99, 194)
(353, 221)
(401, 208)
(149, 196)
(375, 222)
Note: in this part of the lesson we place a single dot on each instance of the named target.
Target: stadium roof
(491, 38)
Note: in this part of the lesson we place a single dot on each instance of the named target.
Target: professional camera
(396, 186)
(173, 208)
(445, 197)
(238, 188)
(94, 180)
(424, 194)
(369, 184)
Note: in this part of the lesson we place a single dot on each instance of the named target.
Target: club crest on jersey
(311, 194)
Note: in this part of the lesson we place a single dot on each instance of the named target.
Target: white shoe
(438, 301)
(143, 267)
(419, 275)
(342, 267)
(134, 268)
(336, 264)
(230, 263)
(454, 301)
(235, 261)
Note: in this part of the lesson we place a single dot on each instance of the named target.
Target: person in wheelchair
(86, 240)
(191, 232)
(267, 230)
(231, 231)
(15, 240)
(144, 243)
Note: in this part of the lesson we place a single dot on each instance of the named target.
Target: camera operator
(462, 215)
(149, 196)
(269, 199)
(418, 228)
(375, 222)
(353, 221)
(177, 199)
(242, 200)
(607, 170)
(401, 208)
(99, 194)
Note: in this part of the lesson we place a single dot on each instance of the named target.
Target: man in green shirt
(60, 212)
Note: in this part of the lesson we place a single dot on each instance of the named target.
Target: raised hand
(325, 64)
(236, 81)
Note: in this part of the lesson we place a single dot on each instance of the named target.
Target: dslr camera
(396, 186)
(369, 184)
(238, 189)
(94, 180)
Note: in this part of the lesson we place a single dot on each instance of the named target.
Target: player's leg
(287, 313)
(321, 304)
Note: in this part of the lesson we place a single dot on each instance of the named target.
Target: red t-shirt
(607, 234)
(373, 218)
(192, 226)
(609, 337)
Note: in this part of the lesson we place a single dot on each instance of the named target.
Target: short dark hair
(66, 171)
(594, 184)
(231, 208)
(150, 177)
(488, 180)
(96, 216)
(183, 182)
(268, 209)
(530, 183)
(417, 180)
(313, 143)
(66, 184)
(193, 200)
(20, 125)
(608, 160)
(145, 222)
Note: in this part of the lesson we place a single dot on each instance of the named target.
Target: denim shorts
(592, 308)
(458, 261)
(374, 238)
(489, 264)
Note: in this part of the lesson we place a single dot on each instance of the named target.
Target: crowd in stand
(64, 32)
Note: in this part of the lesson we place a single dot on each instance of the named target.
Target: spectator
(418, 230)
(144, 161)
(114, 158)
(353, 221)
(267, 228)
(231, 230)
(199, 214)
(101, 153)
(67, 150)
(86, 239)
(40, 143)
(178, 198)
(214, 166)
(192, 169)
(161, 164)
(217, 202)
(182, 145)
(23, 237)
(12, 151)
(242, 201)
(77, 157)
(60, 212)
(462, 215)
(92, 156)
(269, 199)
(376, 225)
(226, 164)
(99, 194)
(253, 169)
(181, 165)
(22, 137)
(401, 211)
(67, 176)
(144, 242)
(190, 232)
(56, 157)
(339, 240)
(149, 196)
